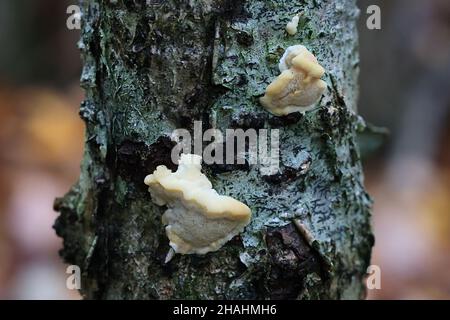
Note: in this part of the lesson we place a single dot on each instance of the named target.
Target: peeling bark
(150, 68)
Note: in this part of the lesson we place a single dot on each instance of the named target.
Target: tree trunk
(151, 67)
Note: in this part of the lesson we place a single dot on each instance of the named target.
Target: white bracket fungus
(292, 26)
(198, 219)
(298, 86)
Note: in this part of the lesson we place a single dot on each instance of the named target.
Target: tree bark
(151, 67)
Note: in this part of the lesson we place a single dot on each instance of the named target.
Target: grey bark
(150, 68)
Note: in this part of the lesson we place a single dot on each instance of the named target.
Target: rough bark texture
(151, 68)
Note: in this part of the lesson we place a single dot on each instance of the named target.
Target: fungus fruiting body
(198, 219)
(298, 86)
(292, 25)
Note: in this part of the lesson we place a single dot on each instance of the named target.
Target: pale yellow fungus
(198, 219)
(292, 26)
(298, 86)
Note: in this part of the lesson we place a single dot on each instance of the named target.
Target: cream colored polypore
(298, 86)
(198, 219)
(292, 25)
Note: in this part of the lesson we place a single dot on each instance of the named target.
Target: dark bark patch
(66, 226)
(232, 10)
(218, 168)
(292, 259)
(244, 38)
(288, 174)
(135, 159)
(246, 120)
(134, 5)
(287, 120)
(160, 255)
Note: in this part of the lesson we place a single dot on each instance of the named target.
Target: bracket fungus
(291, 26)
(198, 219)
(298, 86)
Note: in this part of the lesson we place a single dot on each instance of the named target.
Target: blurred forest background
(405, 87)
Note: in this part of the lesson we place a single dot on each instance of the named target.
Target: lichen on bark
(153, 66)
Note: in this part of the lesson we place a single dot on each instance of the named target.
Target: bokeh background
(405, 87)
